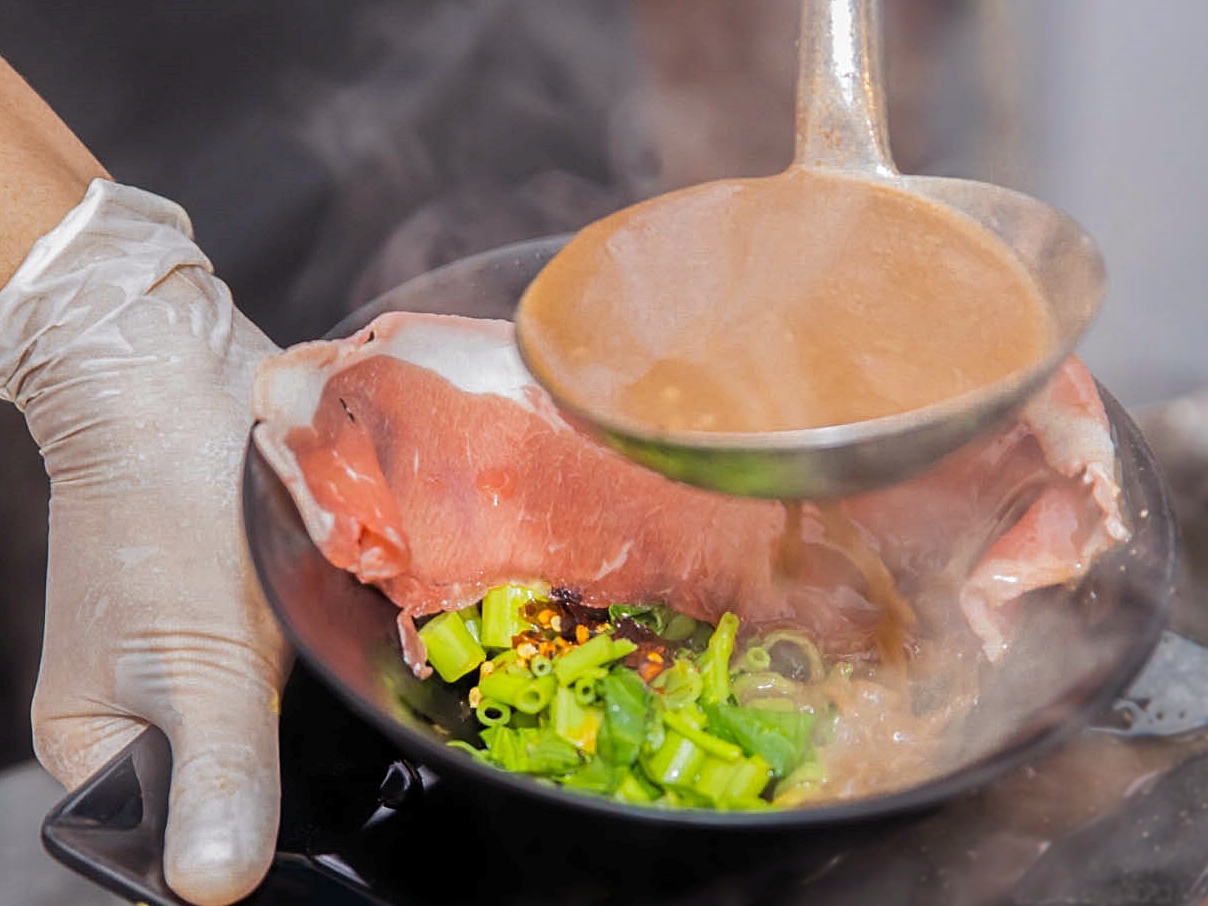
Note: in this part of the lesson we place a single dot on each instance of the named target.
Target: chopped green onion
(635, 789)
(493, 713)
(506, 658)
(801, 786)
(472, 617)
(678, 685)
(676, 761)
(718, 748)
(715, 662)
(503, 613)
(530, 750)
(596, 776)
(575, 722)
(755, 659)
(747, 687)
(771, 703)
(452, 650)
(581, 719)
(585, 690)
(463, 746)
(728, 782)
(595, 652)
(522, 691)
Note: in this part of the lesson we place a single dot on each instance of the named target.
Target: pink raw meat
(424, 459)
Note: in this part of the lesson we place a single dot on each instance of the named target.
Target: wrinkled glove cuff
(116, 245)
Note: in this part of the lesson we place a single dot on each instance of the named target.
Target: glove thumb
(225, 797)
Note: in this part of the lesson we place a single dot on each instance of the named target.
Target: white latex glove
(133, 368)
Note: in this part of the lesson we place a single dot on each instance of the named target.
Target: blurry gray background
(328, 149)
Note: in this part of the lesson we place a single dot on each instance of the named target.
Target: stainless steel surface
(1168, 697)
(842, 128)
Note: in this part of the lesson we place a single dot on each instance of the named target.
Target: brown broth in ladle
(794, 301)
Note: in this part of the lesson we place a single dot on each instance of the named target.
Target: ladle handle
(841, 116)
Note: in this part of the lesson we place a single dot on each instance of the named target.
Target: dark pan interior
(1069, 663)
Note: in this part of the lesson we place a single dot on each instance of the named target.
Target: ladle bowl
(842, 130)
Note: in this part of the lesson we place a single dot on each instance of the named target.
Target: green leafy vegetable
(781, 738)
(626, 707)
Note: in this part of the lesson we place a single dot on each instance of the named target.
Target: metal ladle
(842, 130)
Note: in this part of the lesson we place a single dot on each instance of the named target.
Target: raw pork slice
(424, 459)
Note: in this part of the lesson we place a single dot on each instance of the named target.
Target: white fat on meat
(424, 458)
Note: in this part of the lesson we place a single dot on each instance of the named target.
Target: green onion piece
(771, 703)
(715, 662)
(728, 782)
(626, 708)
(452, 650)
(463, 746)
(595, 652)
(749, 687)
(530, 751)
(678, 685)
(573, 721)
(523, 692)
(504, 748)
(506, 658)
(585, 690)
(781, 738)
(472, 617)
(718, 748)
(503, 613)
(676, 761)
(755, 659)
(634, 789)
(801, 786)
(540, 665)
(596, 776)
(551, 755)
(493, 713)
(534, 698)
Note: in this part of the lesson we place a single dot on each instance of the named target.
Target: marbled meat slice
(424, 459)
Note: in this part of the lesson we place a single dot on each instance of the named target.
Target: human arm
(133, 369)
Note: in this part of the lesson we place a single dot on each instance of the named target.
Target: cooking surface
(1104, 820)
(1025, 840)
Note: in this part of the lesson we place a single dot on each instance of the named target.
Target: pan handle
(111, 830)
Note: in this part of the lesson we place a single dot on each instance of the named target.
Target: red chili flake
(651, 666)
(648, 660)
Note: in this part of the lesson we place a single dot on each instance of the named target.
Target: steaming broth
(794, 301)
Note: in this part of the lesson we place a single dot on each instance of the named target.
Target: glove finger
(224, 805)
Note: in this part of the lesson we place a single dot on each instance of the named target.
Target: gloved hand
(133, 368)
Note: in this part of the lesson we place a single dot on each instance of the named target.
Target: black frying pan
(352, 707)
(1071, 661)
